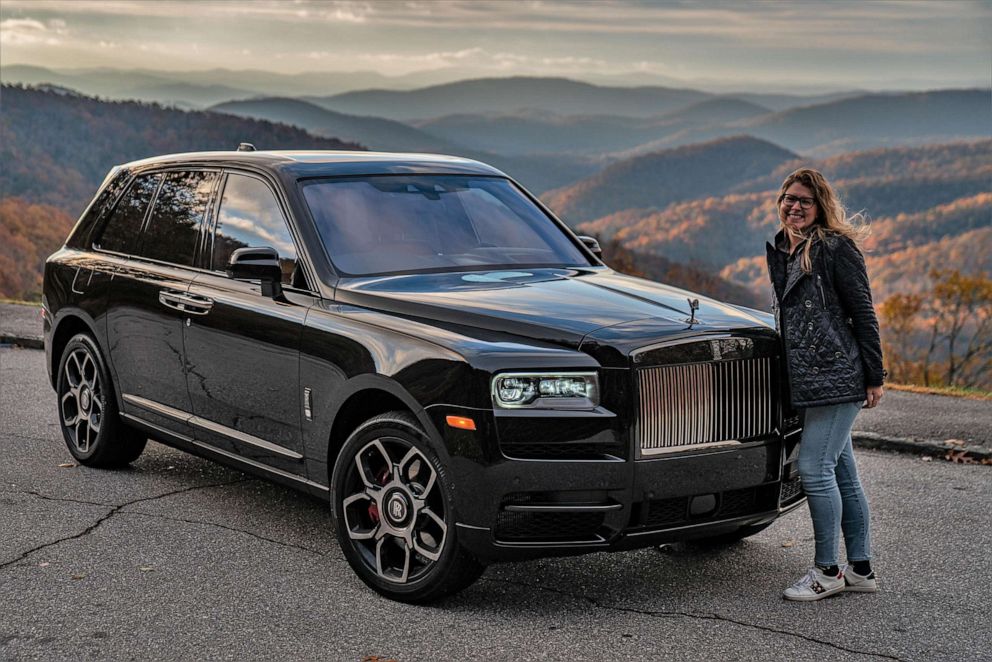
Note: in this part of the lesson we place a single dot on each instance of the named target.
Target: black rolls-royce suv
(418, 340)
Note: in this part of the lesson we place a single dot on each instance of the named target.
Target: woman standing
(834, 360)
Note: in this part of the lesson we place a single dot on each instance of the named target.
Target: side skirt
(226, 458)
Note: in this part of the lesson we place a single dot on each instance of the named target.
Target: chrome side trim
(471, 526)
(244, 438)
(204, 424)
(259, 465)
(151, 405)
(162, 430)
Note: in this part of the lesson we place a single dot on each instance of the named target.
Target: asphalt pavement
(178, 558)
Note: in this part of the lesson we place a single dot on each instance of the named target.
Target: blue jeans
(836, 501)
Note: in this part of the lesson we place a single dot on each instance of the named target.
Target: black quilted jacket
(827, 323)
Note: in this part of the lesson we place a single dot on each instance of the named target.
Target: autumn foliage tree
(900, 315)
(29, 233)
(942, 337)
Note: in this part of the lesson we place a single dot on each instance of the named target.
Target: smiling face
(791, 210)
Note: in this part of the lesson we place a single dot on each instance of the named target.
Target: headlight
(564, 390)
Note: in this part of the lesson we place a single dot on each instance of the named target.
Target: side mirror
(261, 264)
(592, 245)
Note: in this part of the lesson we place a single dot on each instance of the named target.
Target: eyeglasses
(805, 203)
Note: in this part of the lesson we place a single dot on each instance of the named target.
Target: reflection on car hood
(563, 306)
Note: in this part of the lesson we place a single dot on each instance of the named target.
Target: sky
(833, 44)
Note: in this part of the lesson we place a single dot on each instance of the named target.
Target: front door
(243, 354)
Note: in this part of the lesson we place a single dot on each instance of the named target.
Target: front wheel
(88, 415)
(393, 511)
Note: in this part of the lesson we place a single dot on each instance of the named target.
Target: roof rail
(246, 147)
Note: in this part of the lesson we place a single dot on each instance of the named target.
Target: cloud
(477, 60)
(28, 31)
(341, 11)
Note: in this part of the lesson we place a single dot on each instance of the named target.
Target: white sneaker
(859, 583)
(814, 586)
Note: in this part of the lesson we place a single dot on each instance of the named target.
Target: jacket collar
(793, 275)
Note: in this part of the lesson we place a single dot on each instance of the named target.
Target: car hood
(561, 306)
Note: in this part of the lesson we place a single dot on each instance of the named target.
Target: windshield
(402, 224)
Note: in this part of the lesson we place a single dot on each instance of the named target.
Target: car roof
(326, 163)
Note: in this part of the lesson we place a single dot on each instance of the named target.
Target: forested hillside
(927, 206)
(29, 233)
(659, 179)
(56, 148)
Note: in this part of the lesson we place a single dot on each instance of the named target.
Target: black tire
(727, 539)
(88, 416)
(392, 504)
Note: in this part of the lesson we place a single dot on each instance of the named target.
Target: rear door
(147, 303)
(243, 355)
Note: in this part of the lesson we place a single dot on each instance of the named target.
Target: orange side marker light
(460, 422)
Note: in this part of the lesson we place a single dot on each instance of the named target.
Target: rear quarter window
(172, 232)
(124, 224)
(98, 211)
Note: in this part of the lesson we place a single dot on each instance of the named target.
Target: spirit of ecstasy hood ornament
(693, 307)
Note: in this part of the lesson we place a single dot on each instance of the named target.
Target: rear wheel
(393, 512)
(88, 415)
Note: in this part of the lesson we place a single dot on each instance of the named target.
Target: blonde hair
(831, 217)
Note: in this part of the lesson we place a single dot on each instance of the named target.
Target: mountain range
(678, 184)
(364, 90)
(56, 148)
(818, 129)
(927, 206)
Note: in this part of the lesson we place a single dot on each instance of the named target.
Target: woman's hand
(873, 394)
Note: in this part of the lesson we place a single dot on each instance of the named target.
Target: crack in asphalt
(113, 511)
(706, 617)
(252, 534)
(46, 497)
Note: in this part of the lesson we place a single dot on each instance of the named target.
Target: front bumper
(525, 508)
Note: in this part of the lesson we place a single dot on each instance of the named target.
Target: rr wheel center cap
(397, 509)
(85, 399)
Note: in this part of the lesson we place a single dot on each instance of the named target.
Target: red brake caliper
(382, 479)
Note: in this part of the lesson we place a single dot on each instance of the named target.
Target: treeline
(941, 336)
(56, 148)
(29, 233)
(687, 277)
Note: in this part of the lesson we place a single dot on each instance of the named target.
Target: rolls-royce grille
(704, 403)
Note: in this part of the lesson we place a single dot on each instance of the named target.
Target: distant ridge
(532, 131)
(656, 180)
(375, 132)
(878, 120)
(721, 109)
(501, 95)
(57, 148)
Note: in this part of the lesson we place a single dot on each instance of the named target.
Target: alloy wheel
(82, 405)
(394, 512)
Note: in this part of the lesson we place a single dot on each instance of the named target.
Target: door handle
(194, 305)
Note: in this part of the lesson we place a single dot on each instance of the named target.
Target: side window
(173, 228)
(250, 216)
(124, 224)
